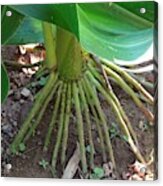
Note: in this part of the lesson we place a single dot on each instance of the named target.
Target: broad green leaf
(150, 6)
(63, 15)
(29, 31)
(108, 30)
(9, 24)
(4, 83)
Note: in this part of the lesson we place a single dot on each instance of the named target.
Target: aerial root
(88, 122)
(35, 109)
(111, 73)
(131, 80)
(66, 123)
(121, 122)
(80, 128)
(129, 90)
(116, 100)
(85, 91)
(42, 111)
(53, 118)
(97, 121)
(60, 129)
(102, 117)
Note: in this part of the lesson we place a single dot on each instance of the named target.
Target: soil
(26, 164)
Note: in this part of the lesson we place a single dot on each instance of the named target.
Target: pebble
(15, 123)
(17, 96)
(8, 167)
(38, 132)
(6, 128)
(21, 101)
(39, 143)
(25, 92)
(24, 157)
(93, 127)
(3, 113)
(2, 150)
(98, 140)
(142, 126)
(10, 134)
(10, 92)
(9, 115)
(8, 151)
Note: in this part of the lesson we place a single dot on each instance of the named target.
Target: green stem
(53, 119)
(38, 104)
(115, 99)
(127, 89)
(131, 80)
(80, 127)
(88, 122)
(49, 31)
(60, 130)
(66, 123)
(97, 121)
(103, 119)
(42, 111)
(121, 121)
(68, 55)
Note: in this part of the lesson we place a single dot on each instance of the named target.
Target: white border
(43, 182)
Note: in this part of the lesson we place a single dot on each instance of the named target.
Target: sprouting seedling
(114, 132)
(98, 173)
(22, 147)
(43, 163)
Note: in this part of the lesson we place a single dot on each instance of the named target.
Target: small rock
(8, 151)
(17, 96)
(3, 113)
(6, 128)
(10, 134)
(15, 123)
(25, 92)
(10, 92)
(93, 127)
(13, 87)
(31, 98)
(21, 101)
(98, 140)
(2, 150)
(39, 143)
(142, 125)
(9, 115)
(24, 157)
(8, 167)
(38, 133)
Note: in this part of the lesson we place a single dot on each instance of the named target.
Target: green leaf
(111, 31)
(98, 173)
(43, 81)
(63, 15)
(125, 138)
(108, 30)
(29, 31)
(9, 24)
(4, 83)
(43, 163)
(88, 148)
(22, 147)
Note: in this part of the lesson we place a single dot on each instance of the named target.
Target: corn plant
(82, 42)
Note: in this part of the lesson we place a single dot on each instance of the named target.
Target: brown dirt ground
(27, 164)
